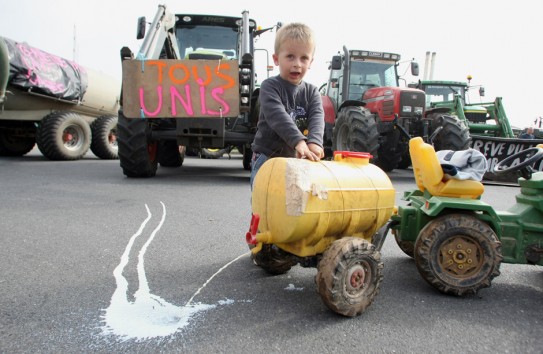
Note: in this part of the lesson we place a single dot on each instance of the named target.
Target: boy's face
(294, 59)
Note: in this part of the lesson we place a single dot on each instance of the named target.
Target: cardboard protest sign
(180, 88)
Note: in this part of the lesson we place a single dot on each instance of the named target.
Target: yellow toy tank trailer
(327, 215)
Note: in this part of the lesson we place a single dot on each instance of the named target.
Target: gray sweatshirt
(286, 112)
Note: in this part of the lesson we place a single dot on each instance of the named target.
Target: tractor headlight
(419, 110)
(406, 109)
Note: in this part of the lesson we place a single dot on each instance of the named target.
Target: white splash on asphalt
(291, 287)
(148, 316)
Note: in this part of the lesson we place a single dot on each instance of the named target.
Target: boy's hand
(304, 152)
(316, 149)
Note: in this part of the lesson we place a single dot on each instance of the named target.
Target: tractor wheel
(454, 135)
(104, 138)
(391, 151)
(169, 154)
(349, 276)
(17, 139)
(212, 153)
(138, 155)
(408, 247)
(355, 130)
(272, 260)
(63, 136)
(247, 157)
(458, 254)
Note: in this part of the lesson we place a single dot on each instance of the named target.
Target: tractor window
(207, 42)
(443, 93)
(365, 75)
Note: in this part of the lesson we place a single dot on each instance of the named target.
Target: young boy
(291, 122)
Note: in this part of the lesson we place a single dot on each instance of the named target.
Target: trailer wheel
(104, 138)
(17, 139)
(349, 276)
(63, 136)
(355, 130)
(169, 154)
(137, 154)
(458, 254)
(272, 260)
(454, 134)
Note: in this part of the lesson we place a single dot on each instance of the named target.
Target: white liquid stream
(148, 316)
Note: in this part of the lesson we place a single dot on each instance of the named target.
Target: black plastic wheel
(458, 254)
(272, 259)
(349, 276)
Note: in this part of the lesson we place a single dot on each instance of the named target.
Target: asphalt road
(91, 261)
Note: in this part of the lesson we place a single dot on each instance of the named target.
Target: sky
(497, 42)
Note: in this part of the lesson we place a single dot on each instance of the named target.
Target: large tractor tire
(355, 130)
(104, 137)
(349, 276)
(169, 154)
(63, 136)
(137, 154)
(17, 139)
(273, 260)
(391, 151)
(454, 134)
(458, 254)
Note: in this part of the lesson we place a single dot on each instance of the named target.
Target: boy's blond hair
(294, 31)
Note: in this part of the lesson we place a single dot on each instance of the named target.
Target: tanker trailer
(59, 105)
(328, 215)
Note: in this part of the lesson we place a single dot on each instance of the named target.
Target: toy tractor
(324, 214)
(457, 240)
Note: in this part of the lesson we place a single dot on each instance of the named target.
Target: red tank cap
(360, 155)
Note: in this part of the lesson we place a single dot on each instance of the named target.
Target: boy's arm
(315, 116)
(277, 117)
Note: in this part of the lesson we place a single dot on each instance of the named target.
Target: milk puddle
(148, 316)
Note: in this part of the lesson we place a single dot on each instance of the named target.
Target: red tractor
(366, 110)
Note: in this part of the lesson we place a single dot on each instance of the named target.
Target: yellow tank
(304, 206)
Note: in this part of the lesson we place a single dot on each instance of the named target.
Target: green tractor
(450, 97)
(457, 240)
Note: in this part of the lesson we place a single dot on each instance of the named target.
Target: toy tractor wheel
(349, 276)
(408, 247)
(272, 260)
(458, 254)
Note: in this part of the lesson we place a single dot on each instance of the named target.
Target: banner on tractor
(497, 149)
(180, 88)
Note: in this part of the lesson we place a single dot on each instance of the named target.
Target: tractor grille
(388, 108)
(476, 117)
(411, 99)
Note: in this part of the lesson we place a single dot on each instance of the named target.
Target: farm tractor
(366, 110)
(450, 97)
(190, 87)
(457, 240)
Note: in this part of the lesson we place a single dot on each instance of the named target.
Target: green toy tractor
(457, 240)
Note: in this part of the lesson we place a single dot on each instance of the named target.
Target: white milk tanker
(55, 103)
